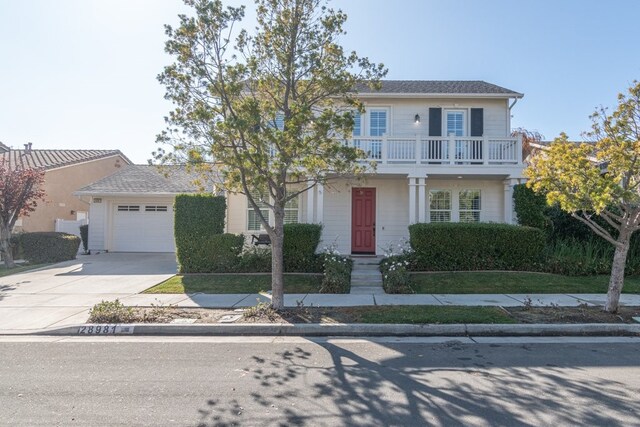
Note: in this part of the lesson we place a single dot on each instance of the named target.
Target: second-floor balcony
(432, 150)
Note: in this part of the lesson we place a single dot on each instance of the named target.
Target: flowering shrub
(395, 276)
(337, 272)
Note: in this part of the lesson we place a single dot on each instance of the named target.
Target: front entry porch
(373, 216)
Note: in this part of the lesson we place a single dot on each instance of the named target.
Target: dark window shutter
(435, 121)
(477, 122)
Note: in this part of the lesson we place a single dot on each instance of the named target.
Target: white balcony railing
(452, 150)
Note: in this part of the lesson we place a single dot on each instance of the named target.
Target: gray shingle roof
(51, 159)
(439, 87)
(144, 179)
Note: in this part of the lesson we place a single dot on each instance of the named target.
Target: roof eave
(129, 193)
(439, 95)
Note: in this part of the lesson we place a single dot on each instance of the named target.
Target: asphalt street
(265, 381)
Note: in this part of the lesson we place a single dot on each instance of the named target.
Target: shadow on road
(444, 384)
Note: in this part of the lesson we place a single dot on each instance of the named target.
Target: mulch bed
(546, 315)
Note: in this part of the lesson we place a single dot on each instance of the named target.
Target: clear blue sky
(81, 73)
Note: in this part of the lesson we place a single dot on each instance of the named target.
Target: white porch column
(310, 204)
(320, 204)
(422, 197)
(412, 200)
(508, 200)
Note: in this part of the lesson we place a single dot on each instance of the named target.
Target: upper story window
(357, 124)
(455, 122)
(378, 122)
(374, 122)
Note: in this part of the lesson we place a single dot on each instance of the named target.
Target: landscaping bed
(382, 315)
(479, 282)
(235, 284)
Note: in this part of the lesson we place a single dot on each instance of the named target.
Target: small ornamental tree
(20, 191)
(600, 178)
(267, 111)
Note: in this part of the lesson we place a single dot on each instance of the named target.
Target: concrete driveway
(63, 293)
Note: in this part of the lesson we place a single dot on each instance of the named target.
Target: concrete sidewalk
(349, 300)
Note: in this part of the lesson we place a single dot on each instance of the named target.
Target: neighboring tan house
(65, 172)
(443, 151)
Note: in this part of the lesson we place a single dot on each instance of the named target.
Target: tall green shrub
(530, 207)
(84, 235)
(300, 244)
(49, 246)
(198, 217)
(456, 246)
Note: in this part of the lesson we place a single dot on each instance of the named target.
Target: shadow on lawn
(447, 384)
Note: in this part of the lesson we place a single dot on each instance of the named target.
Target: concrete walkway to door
(63, 293)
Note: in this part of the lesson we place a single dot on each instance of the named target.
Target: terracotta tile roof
(439, 87)
(51, 159)
(143, 179)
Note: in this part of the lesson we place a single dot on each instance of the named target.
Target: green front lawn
(19, 269)
(519, 283)
(235, 284)
(430, 314)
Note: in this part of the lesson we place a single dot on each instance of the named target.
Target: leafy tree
(600, 178)
(20, 191)
(266, 112)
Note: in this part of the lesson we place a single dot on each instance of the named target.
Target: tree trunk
(5, 246)
(277, 259)
(616, 280)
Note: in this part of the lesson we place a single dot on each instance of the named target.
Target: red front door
(363, 220)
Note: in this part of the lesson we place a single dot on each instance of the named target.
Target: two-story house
(443, 152)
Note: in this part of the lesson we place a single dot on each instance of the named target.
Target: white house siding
(392, 212)
(97, 217)
(403, 111)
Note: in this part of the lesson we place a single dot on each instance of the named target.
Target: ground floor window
(253, 220)
(440, 205)
(469, 202)
(291, 211)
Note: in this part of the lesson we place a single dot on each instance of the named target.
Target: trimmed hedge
(220, 253)
(299, 247)
(198, 218)
(49, 246)
(84, 235)
(456, 246)
(530, 207)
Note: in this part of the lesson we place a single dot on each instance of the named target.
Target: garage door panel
(143, 228)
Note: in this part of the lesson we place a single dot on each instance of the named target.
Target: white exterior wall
(97, 225)
(403, 111)
(392, 213)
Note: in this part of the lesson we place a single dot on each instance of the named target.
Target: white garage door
(143, 227)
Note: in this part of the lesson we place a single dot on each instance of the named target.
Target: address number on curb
(105, 329)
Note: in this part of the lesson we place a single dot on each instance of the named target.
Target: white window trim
(450, 210)
(460, 210)
(465, 120)
(269, 216)
(365, 119)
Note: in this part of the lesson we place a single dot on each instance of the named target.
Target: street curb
(335, 329)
